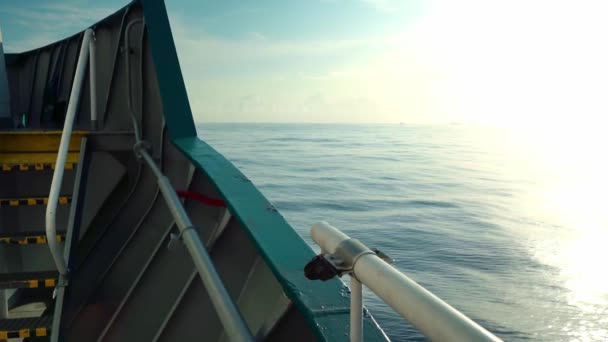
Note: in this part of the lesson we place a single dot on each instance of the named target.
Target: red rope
(198, 197)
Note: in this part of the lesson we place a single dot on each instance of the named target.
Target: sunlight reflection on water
(509, 226)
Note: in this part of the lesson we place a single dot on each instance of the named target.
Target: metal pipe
(127, 52)
(93, 81)
(66, 134)
(234, 325)
(433, 317)
(356, 310)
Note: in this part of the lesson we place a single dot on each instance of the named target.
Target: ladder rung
(28, 239)
(15, 202)
(25, 327)
(33, 166)
(32, 158)
(31, 280)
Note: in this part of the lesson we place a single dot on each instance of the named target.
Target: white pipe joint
(433, 317)
(348, 252)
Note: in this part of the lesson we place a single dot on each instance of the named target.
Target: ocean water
(509, 227)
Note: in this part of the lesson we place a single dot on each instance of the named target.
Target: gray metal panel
(111, 233)
(262, 301)
(109, 37)
(26, 258)
(293, 328)
(195, 319)
(126, 251)
(27, 218)
(117, 280)
(112, 141)
(20, 81)
(160, 281)
(32, 183)
(42, 68)
(100, 185)
(116, 114)
(106, 38)
(160, 284)
(5, 107)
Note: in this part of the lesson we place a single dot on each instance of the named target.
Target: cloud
(54, 21)
(202, 46)
(507, 63)
(258, 78)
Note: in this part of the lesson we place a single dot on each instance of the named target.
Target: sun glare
(568, 195)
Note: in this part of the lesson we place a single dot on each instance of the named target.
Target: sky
(534, 63)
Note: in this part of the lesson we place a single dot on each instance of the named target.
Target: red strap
(198, 197)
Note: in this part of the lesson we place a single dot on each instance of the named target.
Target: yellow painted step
(15, 202)
(36, 150)
(25, 327)
(28, 239)
(24, 280)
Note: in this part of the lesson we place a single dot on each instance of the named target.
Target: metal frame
(432, 316)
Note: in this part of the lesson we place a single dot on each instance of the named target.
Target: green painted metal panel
(326, 305)
(176, 107)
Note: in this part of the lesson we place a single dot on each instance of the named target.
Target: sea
(508, 225)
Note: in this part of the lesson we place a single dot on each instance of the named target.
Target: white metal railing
(433, 317)
(51, 208)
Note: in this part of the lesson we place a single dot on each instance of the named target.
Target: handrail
(235, 327)
(433, 317)
(66, 134)
(234, 324)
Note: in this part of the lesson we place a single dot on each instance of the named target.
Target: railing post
(356, 310)
(66, 135)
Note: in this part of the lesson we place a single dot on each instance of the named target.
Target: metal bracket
(326, 266)
(139, 146)
(62, 281)
(347, 253)
(174, 238)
